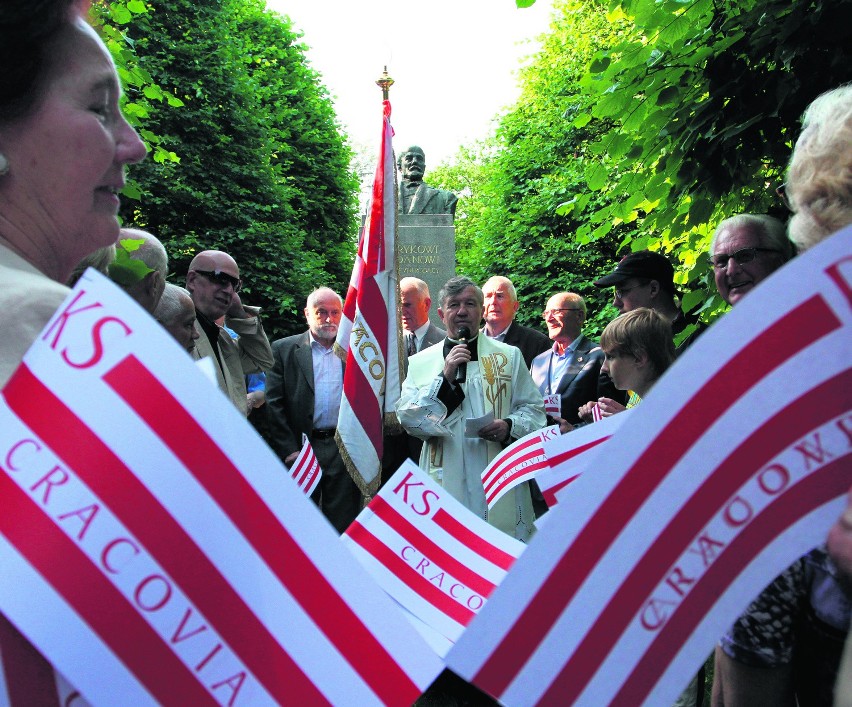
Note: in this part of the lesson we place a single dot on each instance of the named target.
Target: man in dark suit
(303, 392)
(418, 334)
(572, 366)
(415, 302)
(501, 305)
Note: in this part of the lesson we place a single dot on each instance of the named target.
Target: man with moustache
(459, 380)
(213, 282)
(303, 392)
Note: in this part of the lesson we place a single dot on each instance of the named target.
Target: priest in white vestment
(448, 384)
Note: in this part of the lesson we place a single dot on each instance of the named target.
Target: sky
(454, 63)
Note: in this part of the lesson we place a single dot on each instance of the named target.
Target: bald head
(148, 290)
(176, 313)
(213, 281)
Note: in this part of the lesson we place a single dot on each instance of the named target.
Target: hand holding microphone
(455, 365)
(461, 371)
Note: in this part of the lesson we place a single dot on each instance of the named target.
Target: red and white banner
(596, 413)
(519, 462)
(368, 337)
(553, 404)
(306, 471)
(155, 550)
(430, 553)
(570, 455)
(734, 465)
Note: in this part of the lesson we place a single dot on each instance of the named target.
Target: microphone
(461, 371)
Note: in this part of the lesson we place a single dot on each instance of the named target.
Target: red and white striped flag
(155, 550)
(306, 471)
(570, 455)
(519, 462)
(553, 404)
(368, 337)
(430, 553)
(735, 464)
(596, 413)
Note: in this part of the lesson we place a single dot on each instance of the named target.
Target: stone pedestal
(426, 247)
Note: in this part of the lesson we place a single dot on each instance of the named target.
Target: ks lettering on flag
(368, 339)
(431, 554)
(519, 462)
(306, 471)
(734, 465)
(553, 404)
(155, 549)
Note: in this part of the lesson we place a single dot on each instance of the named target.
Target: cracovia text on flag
(735, 464)
(519, 462)
(430, 553)
(368, 338)
(155, 550)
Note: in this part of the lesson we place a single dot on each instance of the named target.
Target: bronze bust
(415, 196)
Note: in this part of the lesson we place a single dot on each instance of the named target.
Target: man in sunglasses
(214, 282)
(746, 249)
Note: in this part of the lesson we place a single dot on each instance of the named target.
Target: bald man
(147, 290)
(213, 282)
(176, 314)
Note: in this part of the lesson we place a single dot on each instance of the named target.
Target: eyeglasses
(222, 278)
(557, 312)
(621, 291)
(781, 191)
(741, 257)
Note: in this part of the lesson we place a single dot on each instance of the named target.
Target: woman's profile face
(67, 158)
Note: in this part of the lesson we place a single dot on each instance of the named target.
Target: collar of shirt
(568, 349)
(501, 336)
(419, 333)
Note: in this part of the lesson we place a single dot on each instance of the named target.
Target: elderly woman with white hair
(819, 178)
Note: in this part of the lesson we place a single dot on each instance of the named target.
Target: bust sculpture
(415, 196)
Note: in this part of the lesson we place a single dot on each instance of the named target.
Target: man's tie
(412, 344)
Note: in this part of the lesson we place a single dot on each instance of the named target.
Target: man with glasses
(746, 249)
(646, 279)
(303, 392)
(213, 282)
(572, 367)
(501, 305)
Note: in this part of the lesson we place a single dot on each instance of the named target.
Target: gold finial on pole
(384, 82)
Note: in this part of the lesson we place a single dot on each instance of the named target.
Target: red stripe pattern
(803, 326)
(286, 559)
(156, 529)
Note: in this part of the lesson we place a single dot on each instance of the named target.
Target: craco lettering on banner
(57, 493)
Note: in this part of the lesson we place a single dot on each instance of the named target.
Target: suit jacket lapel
(305, 359)
(575, 365)
(421, 198)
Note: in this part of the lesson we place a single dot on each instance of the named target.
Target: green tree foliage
(697, 105)
(263, 171)
(507, 222)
